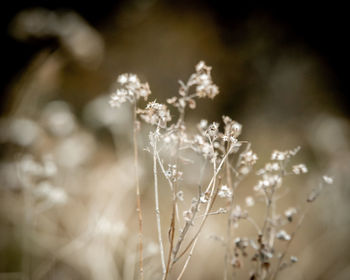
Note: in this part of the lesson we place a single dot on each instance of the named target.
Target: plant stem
(156, 197)
(138, 196)
(187, 260)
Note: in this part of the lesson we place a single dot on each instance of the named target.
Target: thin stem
(186, 227)
(187, 260)
(289, 243)
(156, 197)
(229, 236)
(138, 195)
(210, 201)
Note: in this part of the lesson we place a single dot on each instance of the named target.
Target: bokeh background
(282, 69)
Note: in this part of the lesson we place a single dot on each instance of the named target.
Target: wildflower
(155, 114)
(188, 215)
(249, 201)
(203, 124)
(328, 180)
(222, 211)
(180, 195)
(173, 174)
(249, 158)
(283, 235)
(277, 155)
(289, 213)
(203, 81)
(299, 169)
(212, 130)
(53, 194)
(269, 180)
(204, 198)
(232, 128)
(281, 156)
(132, 90)
(225, 192)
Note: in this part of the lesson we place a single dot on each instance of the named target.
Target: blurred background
(66, 169)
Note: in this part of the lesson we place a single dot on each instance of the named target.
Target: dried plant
(229, 161)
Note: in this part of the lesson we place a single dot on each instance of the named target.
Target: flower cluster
(283, 155)
(225, 192)
(204, 87)
(218, 147)
(132, 90)
(203, 81)
(248, 159)
(299, 169)
(173, 174)
(232, 130)
(155, 114)
(268, 181)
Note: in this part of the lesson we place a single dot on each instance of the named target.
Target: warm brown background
(282, 73)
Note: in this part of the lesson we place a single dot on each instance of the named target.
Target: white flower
(283, 235)
(225, 192)
(53, 194)
(277, 155)
(132, 90)
(299, 169)
(328, 180)
(155, 113)
(187, 215)
(180, 195)
(290, 212)
(249, 201)
(122, 79)
(203, 124)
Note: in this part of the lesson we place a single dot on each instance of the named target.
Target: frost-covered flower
(283, 235)
(283, 155)
(268, 180)
(187, 215)
(278, 155)
(203, 81)
(53, 194)
(248, 159)
(180, 195)
(328, 180)
(173, 174)
(299, 169)
(249, 201)
(213, 130)
(132, 90)
(155, 113)
(225, 192)
(289, 213)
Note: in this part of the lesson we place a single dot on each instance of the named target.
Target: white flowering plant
(229, 160)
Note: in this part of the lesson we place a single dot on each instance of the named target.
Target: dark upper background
(323, 27)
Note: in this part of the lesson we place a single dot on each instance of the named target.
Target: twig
(187, 260)
(289, 242)
(138, 196)
(156, 197)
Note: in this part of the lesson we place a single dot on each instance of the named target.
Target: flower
(132, 90)
(283, 235)
(289, 213)
(155, 114)
(225, 192)
(328, 180)
(249, 201)
(299, 169)
(203, 81)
